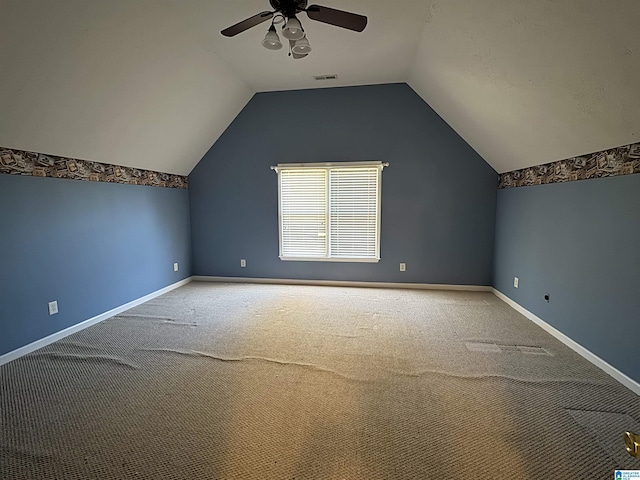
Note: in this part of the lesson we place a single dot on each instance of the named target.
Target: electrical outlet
(403, 267)
(515, 282)
(175, 267)
(53, 307)
(243, 262)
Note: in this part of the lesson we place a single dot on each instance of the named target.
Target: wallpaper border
(623, 160)
(21, 162)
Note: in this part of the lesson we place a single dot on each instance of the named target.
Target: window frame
(329, 166)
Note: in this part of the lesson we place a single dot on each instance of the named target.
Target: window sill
(326, 259)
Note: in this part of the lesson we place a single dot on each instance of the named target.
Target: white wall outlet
(53, 307)
(243, 262)
(403, 267)
(175, 267)
(515, 282)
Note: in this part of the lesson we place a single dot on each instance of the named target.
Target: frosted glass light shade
(272, 40)
(301, 47)
(293, 29)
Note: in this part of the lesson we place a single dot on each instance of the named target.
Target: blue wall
(579, 241)
(438, 195)
(90, 246)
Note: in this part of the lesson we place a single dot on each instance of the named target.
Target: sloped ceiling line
(152, 84)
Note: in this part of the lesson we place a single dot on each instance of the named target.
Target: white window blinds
(330, 211)
(353, 212)
(303, 212)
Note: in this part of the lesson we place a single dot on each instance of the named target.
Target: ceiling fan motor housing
(288, 7)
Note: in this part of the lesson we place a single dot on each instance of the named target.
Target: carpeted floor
(222, 381)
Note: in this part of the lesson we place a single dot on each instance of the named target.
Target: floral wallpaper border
(20, 162)
(607, 163)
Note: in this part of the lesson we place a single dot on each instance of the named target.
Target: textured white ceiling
(527, 82)
(383, 53)
(119, 81)
(152, 83)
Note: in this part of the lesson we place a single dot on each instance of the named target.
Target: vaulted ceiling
(152, 84)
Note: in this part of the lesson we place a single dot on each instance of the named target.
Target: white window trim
(328, 166)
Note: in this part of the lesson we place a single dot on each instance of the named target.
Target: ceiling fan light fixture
(301, 47)
(272, 40)
(293, 29)
(284, 13)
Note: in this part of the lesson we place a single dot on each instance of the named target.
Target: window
(330, 211)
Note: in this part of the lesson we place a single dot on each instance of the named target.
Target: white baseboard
(628, 382)
(19, 352)
(342, 283)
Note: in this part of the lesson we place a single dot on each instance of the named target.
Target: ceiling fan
(284, 11)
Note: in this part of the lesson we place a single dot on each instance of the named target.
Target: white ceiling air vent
(326, 77)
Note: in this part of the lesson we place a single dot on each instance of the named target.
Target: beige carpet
(219, 381)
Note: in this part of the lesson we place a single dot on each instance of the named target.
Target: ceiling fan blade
(246, 24)
(339, 18)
